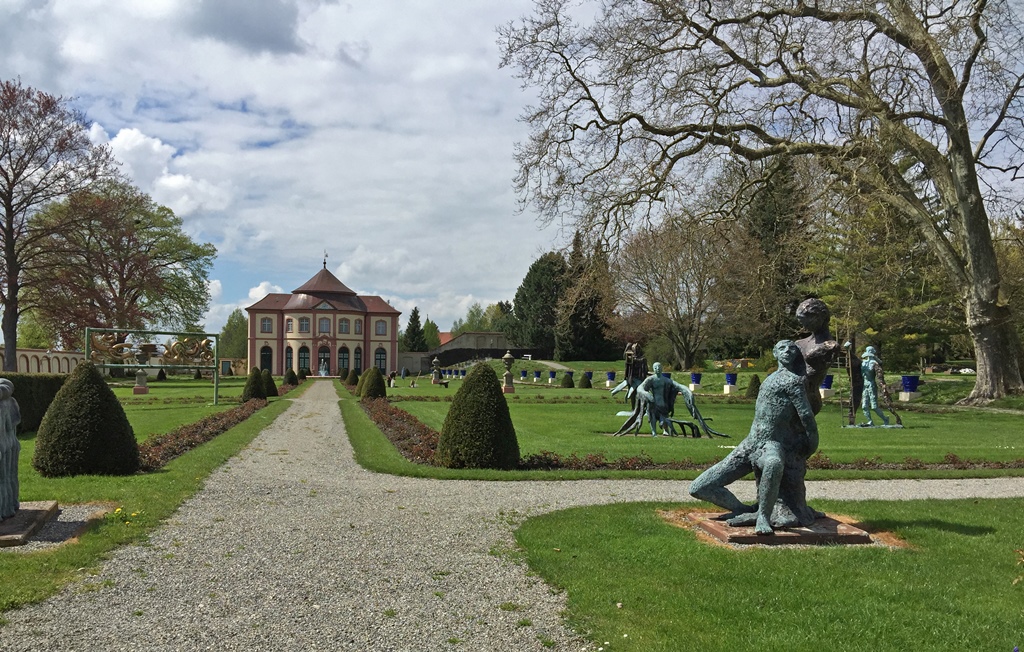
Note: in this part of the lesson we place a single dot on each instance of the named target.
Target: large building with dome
(323, 325)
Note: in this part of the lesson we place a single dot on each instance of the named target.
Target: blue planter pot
(536, 375)
(552, 374)
(695, 378)
(910, 383)
(730, 379)
(609, 375)
(522, 374)
(826, 383)
(589, 375)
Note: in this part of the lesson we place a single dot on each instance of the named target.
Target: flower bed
(161, 449)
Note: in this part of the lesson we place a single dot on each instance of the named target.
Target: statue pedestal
(140, 390)
(906, 397)
(824, 531)
(18, 529)
(826, 393)
(729, 389)
(694, 387)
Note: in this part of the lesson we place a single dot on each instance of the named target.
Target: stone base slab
(729, 389)
(140, 390)
(18, 529)
(826, 393)
(694, 387)
(824, 531)
(906, 397)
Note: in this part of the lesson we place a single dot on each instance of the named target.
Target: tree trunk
(10, 330)
(997, 352)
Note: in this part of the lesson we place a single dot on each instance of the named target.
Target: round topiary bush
(290, 378)
(269, 386)
(161, 375)
(85, 430)
(352, 379)
(373, 385)
(567, 381)
(754, 387)
(478, 431)
(254, 387)
(585, 382)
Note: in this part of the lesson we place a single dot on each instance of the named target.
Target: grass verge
(639, 583)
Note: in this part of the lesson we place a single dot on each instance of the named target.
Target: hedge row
(34, 393)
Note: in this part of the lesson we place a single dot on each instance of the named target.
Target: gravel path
(291, 545)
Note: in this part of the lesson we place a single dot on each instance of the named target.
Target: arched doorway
(357, 360)
(343, 360)
(323, 360)
(304, 359)
(380, 360)
(266, 359)
(288, 359)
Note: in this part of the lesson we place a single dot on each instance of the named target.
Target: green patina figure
(784, 428)
(660, 395)
(871, 370)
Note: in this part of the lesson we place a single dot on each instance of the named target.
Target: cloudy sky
(381, 132)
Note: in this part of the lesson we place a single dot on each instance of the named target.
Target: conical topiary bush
(567, 381)
(269, 386)
(372, 385)
(478, 431)
(85, 430)
(290, 378)
(585, 382)
(754, 387)
(353, 378)
(254, 387)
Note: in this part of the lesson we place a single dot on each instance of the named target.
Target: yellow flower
(135, 514)
(117, 511)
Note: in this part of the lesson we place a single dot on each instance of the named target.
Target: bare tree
(671, 274)
(45, 154)
(916, 104)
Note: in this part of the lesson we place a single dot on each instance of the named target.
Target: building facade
(323, 325)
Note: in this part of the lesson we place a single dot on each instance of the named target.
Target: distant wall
(42, 361)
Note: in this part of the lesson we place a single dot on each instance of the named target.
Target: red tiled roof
(445, 337)
(377, 305)
(323, 283)
(271, 302)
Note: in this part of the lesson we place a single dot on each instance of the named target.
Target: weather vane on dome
(325, 259)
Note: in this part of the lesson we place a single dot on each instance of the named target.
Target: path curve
(291, 545)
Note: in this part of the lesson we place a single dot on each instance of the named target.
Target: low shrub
(269, 386)
(34, 393)
(198, 375)
(85, 430)
(157, 451)
(352, 379)
(567, 381)
(161, 375)
(254, 386)
(754, 387)
(373, 385)
(478, 430)
(585, 382)
(290, 378)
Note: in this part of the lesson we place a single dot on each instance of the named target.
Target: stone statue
(871, 370)
(10, 447)
(784, 427)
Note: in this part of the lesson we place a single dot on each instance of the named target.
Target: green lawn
(569, 421)
(639, 583)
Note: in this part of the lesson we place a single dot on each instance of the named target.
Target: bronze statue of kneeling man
(784, 426)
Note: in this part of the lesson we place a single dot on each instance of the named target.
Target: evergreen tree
(431, 334)
(585, 308)
(415, 339)
(536, 303)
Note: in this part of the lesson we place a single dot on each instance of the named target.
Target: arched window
(323, 360)
(343, 359)
(324, 325)
(267, 359)
(381, 327)
(304, 359)
(289, 325)
(343, 326)
(303, 324)
(380, 360)
(288, 358)
(357, 360)
(359, 327)
(266, 325)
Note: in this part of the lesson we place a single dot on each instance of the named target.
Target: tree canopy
(916, 107)
(536, 303)
(234, 337)
(127, 263)
(45, 154)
